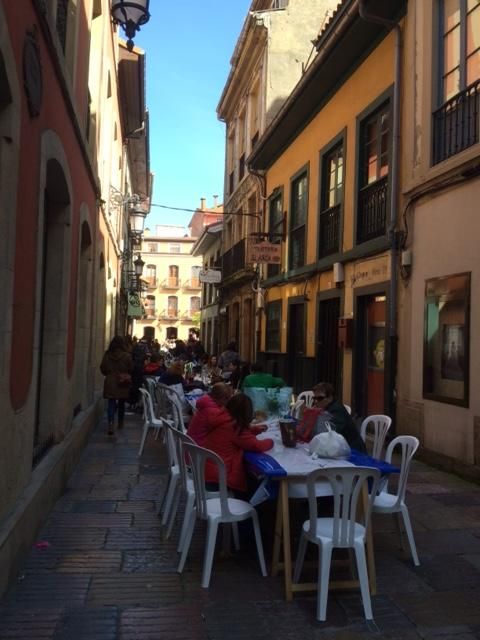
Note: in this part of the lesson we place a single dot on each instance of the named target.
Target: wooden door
(296, 345)
(328, 353)
(375, 356)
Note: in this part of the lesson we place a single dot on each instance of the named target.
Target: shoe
(110, 431)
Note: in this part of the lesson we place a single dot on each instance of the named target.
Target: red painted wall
(54, 115)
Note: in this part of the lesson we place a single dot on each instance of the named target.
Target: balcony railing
(372, 210)
(150, 312)
(171, 283)
(192, 283)
(168, 314)
(186, 316)
(234, 259)
(456, 124)
(329, 231)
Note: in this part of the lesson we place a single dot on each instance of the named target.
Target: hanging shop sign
(210, 276)
(266, 252)
(135, 306)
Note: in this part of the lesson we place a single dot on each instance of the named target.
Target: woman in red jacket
(229, 437)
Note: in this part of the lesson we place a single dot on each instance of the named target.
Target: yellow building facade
(328, 159)
(172, 288)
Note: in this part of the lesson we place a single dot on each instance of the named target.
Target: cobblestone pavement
(102, 570)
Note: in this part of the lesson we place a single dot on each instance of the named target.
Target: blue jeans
(112, 408)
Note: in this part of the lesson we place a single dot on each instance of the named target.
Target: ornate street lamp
(130, 15)
(138, 264)
(137, 221)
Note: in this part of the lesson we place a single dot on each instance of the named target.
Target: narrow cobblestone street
(101, 569)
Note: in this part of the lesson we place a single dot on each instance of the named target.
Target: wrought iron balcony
(186, 316)
(372, 210)
(329, 231)
(456, 124)
(168, 314)
(192, 283)
(170, 283)
(234, 259)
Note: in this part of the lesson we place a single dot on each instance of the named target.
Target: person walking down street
(117, 367)
(258, 378)
(336, 415)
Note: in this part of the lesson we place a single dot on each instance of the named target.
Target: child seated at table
(229, 438)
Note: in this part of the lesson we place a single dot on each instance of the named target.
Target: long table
(288, 467)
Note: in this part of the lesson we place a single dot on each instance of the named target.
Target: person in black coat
(335, 413)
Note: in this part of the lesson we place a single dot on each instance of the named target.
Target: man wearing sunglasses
(335, 413)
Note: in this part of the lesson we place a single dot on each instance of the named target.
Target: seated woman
(229, 436)
(174, 374)
(155, 365)
(334, 412)
(211, 370)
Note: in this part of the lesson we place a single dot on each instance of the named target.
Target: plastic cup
(288, 430)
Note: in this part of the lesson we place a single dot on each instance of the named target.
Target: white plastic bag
(329, 444)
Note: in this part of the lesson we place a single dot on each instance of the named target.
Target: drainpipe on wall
(392, 305)
(261, 177)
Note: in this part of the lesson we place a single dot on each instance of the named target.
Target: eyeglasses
(319, 398)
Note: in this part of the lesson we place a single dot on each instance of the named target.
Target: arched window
(172, 311)
(173, 275)
(194, 304)
(150, 306)
(151, 275)
(195, 276)
(172, 333)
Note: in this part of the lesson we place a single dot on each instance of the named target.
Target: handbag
(307, 423)
(124, 379)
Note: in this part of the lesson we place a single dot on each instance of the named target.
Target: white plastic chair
(170, 403)
(381, 424)
(177, 439)
(149, 419)
(341, 531)
(221, 510)
(150, 384)
(304, 399)
(386, 502)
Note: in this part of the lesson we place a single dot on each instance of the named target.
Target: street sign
(266, 252)
(210, 276)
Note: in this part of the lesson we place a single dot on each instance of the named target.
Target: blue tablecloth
(265, 465)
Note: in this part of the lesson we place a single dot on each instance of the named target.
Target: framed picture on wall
(446, 344)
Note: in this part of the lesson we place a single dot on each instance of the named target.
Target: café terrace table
(289, 468)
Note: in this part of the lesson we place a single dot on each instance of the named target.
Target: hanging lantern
(130, 15)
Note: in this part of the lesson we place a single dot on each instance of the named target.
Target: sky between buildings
(188, 47)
